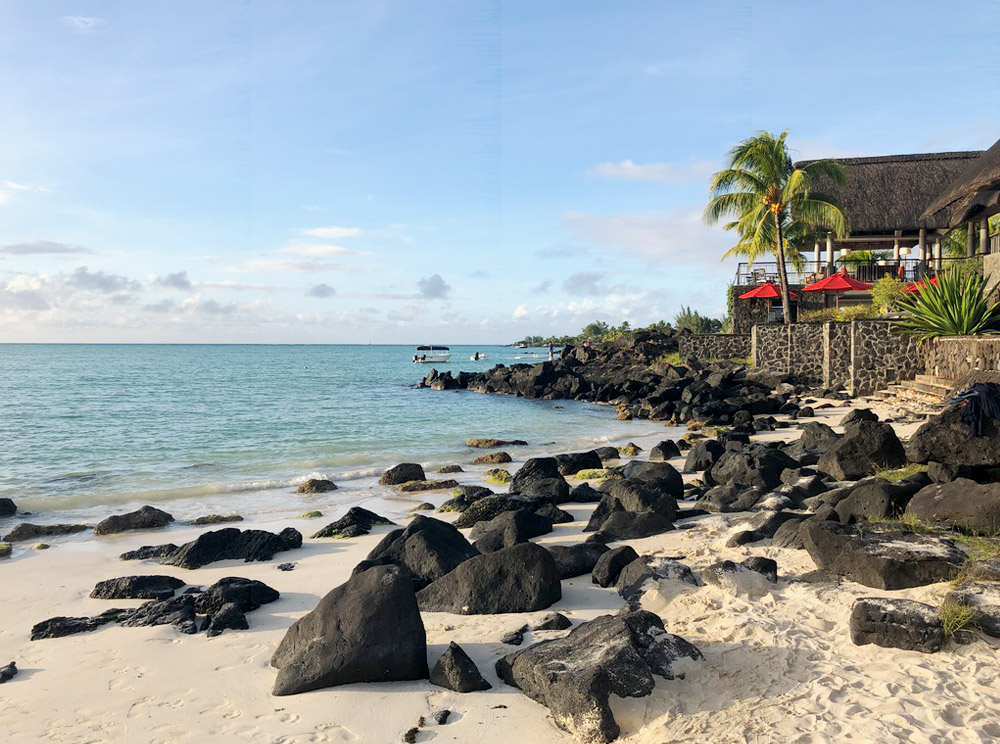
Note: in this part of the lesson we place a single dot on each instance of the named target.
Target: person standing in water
(552, 357)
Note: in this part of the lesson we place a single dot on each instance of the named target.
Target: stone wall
(880, 355)
(956, 356)
(709, 346)
(863, 356)
(747, 313)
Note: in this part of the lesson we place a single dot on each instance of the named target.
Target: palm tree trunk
(786, 305)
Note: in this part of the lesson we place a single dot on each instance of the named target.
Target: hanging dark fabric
(981, 401)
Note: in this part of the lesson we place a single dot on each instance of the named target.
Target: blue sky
(454, 171)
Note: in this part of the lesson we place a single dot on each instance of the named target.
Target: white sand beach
(779, 663)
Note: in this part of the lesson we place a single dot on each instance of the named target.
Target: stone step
(936, 380)
(926, 387)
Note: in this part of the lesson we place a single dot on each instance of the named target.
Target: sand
(779, 664)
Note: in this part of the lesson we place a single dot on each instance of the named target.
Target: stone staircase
(923, 396)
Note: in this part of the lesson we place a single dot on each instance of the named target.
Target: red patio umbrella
(920, 286)
(768, 291)
(836, 284)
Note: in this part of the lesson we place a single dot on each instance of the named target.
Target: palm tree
(772, 203)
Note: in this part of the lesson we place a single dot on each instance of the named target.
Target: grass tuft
(956, 618)
(898, 474)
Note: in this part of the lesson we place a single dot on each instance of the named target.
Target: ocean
(92, 429)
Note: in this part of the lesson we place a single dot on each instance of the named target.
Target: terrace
(905, 269)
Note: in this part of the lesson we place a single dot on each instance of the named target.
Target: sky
(445, 171)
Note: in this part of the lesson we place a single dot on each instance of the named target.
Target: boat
(532, 356)
(477, 357)
(432, 355)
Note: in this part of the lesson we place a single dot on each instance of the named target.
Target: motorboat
(478, 357)
(432, 355)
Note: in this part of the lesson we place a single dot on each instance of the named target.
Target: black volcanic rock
(366, 630)
(523, 578)
(576, 676)
(146, 518)
(356, 522)
(427, 549)
(28, 531)
(137, 587)
(402, 473)
(233, 544)
(454, 670)
(7, 508)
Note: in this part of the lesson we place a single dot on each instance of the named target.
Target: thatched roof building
(973, 195)
(885, 194)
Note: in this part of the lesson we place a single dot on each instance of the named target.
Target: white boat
(532, 356)
(477, 357)
(432, 355)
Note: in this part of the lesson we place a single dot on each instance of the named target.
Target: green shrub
(955, 618)
(957, 305)
(887, 293)
(840, 314)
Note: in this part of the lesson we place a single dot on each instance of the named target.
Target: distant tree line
(599, 330)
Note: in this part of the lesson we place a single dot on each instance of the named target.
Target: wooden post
(829, 253)
(922, 249)
(895, 245)
(984, 237)
(970, 240)
(937, 254)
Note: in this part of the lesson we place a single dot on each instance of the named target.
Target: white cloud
(305, 248)
(322, 291)
(680, 237)
(626, 170)
(12, 188)
(433, 287)
(82, 24)
(178, 280)
(42, 247)
(271, 265)
(331, 233)
(521, 311)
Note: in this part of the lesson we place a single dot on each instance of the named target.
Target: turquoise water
(93, 425)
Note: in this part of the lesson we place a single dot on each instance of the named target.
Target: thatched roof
(974, 193)
(887, 193)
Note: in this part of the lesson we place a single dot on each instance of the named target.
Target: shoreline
(779, 667)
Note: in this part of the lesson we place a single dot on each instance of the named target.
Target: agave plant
(956, 305)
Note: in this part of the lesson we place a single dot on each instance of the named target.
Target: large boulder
(945, 439)
(487, 508)
(625, 525)
(660, 475)
(578, 559)
(874, 501)
(753, 466)
(962, 503)
(137, 587)
(816, 439)
(610, 565)
(456, 671)
(575, 676)
(28, 531)
(367, 630)
(641, 496)
(646, 571)
(428, 549)
(358, 521)
(146, 518)
(882, 560)
(523, 578)
(7, 508)
(703, 455)
(233, 544)
(867, 446)
(316, 485)
(896, 623)
(402, 473)
(245, 594)
(509, 528)
(535, 469)
(731, 498)
(664, 451)
(176, 611)
(574, 462)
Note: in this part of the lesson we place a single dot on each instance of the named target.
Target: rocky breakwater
(632, 373)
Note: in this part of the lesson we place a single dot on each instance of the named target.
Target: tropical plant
(863, 257)
(772, 205)
(957, 305)
(691, 320)
(887, 293)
